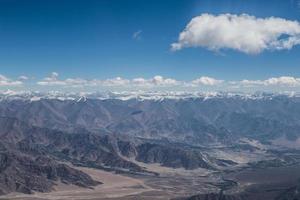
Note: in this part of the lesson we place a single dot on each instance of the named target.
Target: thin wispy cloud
(23, 78)
(137, 35)
(243, 33)
(53, 80)
(5, 81)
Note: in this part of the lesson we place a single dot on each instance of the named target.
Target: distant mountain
(201, 120)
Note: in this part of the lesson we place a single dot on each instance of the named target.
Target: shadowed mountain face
(88, 149)
(77, 147)
(25, 174)
(30, 157)
(290, 194)
(28, 151)
(39, 138)
(170, 156)
(26, 167)
(287, 194)
(216, 197)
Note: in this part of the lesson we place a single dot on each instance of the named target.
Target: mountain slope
(192, 120)
(25, 174)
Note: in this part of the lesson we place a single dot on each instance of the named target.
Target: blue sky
(104, 39)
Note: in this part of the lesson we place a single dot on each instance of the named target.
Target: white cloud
(53, 80)
(139, 81)
(243, 33)
(137, 35)
(205, 80)
(283, 80)
(118, 81)
(23, 78)
(156, 81)
(275, 81)
(159, 82)
(4, 81)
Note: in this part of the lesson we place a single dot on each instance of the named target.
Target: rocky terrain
(26, 174)
(44, 140)
(193, 120)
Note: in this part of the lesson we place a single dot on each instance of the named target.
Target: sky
(182, 44)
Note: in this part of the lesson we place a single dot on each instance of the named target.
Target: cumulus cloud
(159, 82)
(205, 80)
(156, 81)
(4, 81)
(118, 81)
(275, 81)
(243, 33)
(283, 80)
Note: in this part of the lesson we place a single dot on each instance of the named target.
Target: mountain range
(46, 136)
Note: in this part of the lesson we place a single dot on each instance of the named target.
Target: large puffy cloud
(243, 33)
(4, 81)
